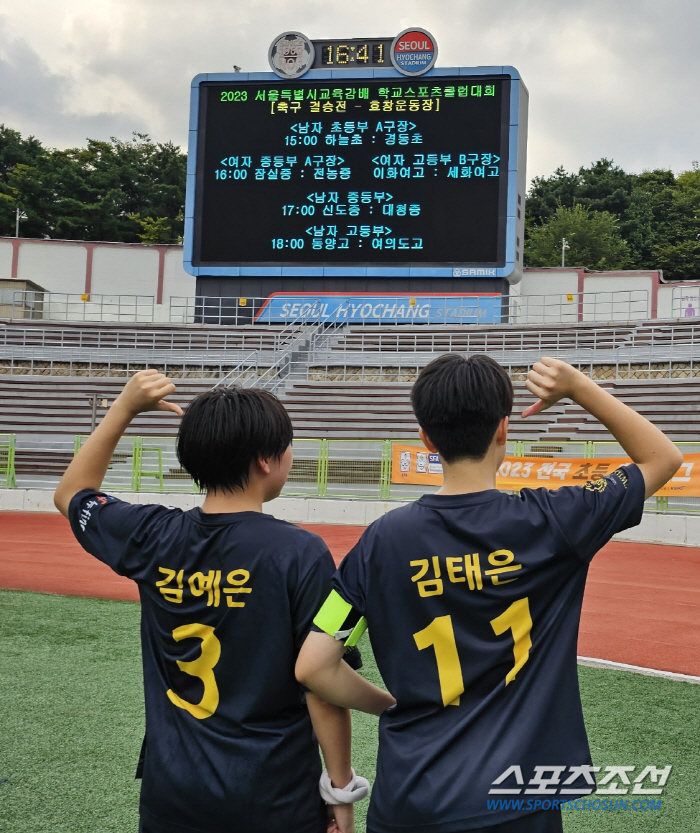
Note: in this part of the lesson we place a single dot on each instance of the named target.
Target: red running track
(641, 607)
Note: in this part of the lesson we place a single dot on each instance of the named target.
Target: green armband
(338, 619)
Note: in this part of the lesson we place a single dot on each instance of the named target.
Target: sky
(607, 78)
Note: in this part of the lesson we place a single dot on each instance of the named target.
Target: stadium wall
(79, 267)
(575, 280)
(676, 530)
(76, 267)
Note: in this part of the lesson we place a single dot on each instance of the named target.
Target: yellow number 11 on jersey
(440, 634)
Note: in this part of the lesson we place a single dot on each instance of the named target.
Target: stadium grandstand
(345, 385)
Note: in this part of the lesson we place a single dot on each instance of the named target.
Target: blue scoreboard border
(516, 176)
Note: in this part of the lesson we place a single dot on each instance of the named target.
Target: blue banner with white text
(381, 309)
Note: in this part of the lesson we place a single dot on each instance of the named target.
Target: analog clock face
(291, 55)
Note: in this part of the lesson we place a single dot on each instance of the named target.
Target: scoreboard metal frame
(510, 262)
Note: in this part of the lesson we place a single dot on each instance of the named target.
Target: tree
(657, 213)
(676, 249)
(604, 187)
(661, 224)
(593, 237)
(98, 192)
(15, 152)
(158, 230)
(546, 194)
(680, 261)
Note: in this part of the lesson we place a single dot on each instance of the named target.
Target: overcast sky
(613, 78)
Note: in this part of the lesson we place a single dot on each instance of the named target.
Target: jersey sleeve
(313, 589)
(111, 529)
(350, 578)
(588, 516)
(342, 615)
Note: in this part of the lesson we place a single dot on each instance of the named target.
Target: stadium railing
(322, 468)
(7, 460)
(64, 348)
(564, 308)
(682, 300)
(651, 350)
(89, 336)
(571, 308)
(65, 306)
(117, 365)
(368, 349)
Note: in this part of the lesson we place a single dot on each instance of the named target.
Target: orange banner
(416, 465)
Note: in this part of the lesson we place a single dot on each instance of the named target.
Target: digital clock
(352, 54)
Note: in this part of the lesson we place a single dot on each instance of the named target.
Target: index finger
(164, 388)
(539, 368)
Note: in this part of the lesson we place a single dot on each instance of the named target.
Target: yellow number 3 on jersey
(202, 667)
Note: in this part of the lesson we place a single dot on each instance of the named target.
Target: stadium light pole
(19, 215)
(96, 399)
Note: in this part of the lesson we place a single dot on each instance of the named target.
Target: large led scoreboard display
(357, 159)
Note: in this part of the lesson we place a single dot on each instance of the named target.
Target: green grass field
(71, 724)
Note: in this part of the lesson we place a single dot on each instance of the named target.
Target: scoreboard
(355, 168)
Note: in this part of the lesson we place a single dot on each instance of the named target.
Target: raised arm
(657, 457)
(143, 392)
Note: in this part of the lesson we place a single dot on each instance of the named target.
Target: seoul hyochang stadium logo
(291, 55)
(414, 51)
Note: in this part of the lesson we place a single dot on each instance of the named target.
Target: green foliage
(546, 194)
(681, 260)
(605, 187)
(593, 238)
(16, 153)
(602, 187)
(657, 214)
(105, 191)
(158, 229)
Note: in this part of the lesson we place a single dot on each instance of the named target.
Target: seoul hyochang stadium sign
(354, 160)
(373, 308)
(414, 52)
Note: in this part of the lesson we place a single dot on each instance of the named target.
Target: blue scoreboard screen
(381, 175)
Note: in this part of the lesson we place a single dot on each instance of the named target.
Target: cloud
(39, 102)
(606, 79)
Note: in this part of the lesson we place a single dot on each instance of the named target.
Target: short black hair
(225, 429)
(459, 400)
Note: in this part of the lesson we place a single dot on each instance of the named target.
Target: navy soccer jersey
(226, 602)
(473, 604)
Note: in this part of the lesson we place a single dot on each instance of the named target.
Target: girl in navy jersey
(473, 599)
(227, 597)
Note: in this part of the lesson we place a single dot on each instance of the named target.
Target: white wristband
(357, 789)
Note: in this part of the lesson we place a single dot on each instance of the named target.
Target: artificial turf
(71, 723)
